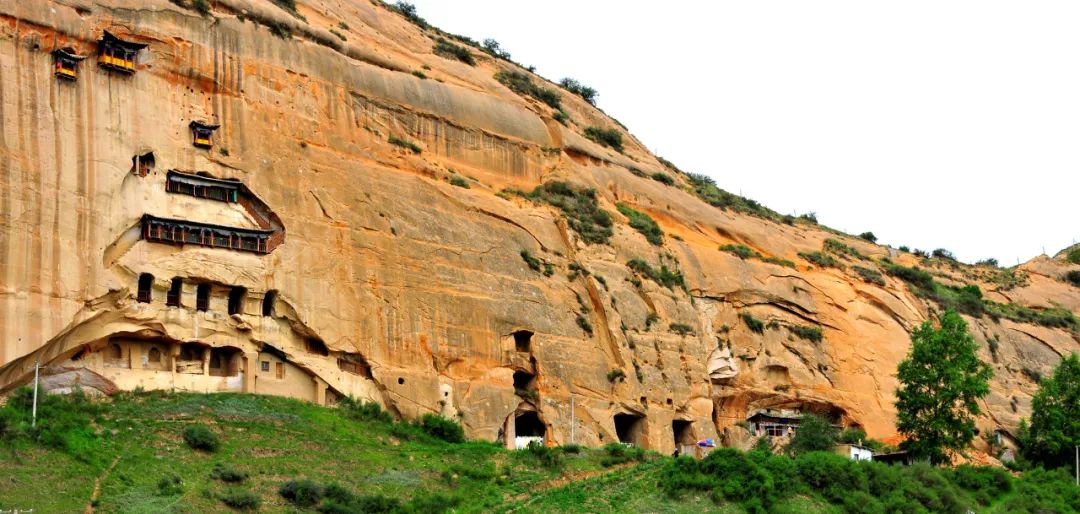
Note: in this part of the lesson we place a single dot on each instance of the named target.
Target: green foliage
(616, 374)
(459, 182)
(642, 223)
(493, 48)
(779, 262)
(547, 456)
(815, 434)
(227, 473)
(905, 249)
(561, 116)
(1072, 277)
(821, 259)
(584, 324)
(662, 178)
(651, 318)
(522, 84)
(611, 138)
(1041, 491)
(441, 428)
(448, 50)
(682, 329)
(200, 437)
(585, 92)
(918, 278)
(706, 189)
(360, 410)
(1073, 256)
(664, 276)
(532, 262)
(810, 333)
(240, 499)
(406, 144)
(754, 324)
(942, 253)
(941, 381)
(871, 276)
(618, 453)
(869, 236)
(580, 207)
(841, 249)
(416, 73)
(986, 483)
(170, 485)
(741, 251)
(278, 29)
(64, 422)
(727, 474)
(302, 493)
(1055, 417)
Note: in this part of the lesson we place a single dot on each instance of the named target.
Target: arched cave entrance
(523, 340)
(682, 432)
(528, 424)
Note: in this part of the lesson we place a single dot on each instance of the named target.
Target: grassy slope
(276, 439)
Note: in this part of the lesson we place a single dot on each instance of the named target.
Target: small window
(202, 297)
(115, 352)
(264, 366)
(176, 292)
(316, 346)
(154, 355)
(142, 165)
(522, 340)
(146, 284)
(280, 368)
(236, 300)
(268, 303)
(401, 381)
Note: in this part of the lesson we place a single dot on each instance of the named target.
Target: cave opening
(630, 428)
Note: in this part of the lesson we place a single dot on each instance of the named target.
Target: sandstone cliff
(393, 284)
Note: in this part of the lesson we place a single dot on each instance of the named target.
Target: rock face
(304, 254)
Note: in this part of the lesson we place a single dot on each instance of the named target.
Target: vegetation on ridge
(582, 211)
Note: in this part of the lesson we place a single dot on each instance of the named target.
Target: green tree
(815, 434)
(941, 381)
(1055, 417)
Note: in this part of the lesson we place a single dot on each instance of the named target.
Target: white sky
(940, 123)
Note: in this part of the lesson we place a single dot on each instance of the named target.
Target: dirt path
(97, 486)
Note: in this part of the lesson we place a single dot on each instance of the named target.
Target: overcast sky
(950, 124)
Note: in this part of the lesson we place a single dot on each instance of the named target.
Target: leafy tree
(815, 434)
(869, 236)
(1055, 417)
(941, 380)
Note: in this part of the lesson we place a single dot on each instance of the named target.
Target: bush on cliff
(582, 211)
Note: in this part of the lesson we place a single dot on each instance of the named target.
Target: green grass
(448, 50)
(582, 211)
(406, 144)
(608, 137)
(821, 259)
(663, 276)
(522, 84)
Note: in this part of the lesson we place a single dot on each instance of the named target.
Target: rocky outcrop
(396, 284)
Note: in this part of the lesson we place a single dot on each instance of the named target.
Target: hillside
(129, 455)
(384, 211)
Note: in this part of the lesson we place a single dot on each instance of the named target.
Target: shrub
(662, 178)
(459, 182)
(821, 259)
(302, 493)
(279, 29)
(991, 262)
(754, 324)
(200, 437)
(682, 329)
(561, 116)
(584, 324)
(444, 48)
(580, 207)
(416, 73)
(170, 485)
(839, 248)
(642, 223)
(942, 253)
(987, 483)
(810, 333)
(64, 421)
(442, 428)
(585, 92)
(522, 84)
(548, 457)
(409, 12)
(1073, 277)
(870, 275)
(227, 473)
(651, 318)
(1073, 256)
(914, 276)
(240, 499)
(905, 249)
(616, 374)
(494, 49)
(706, 189)
(607, 137)
(779, 262)
(869, 236)
(815, 434)
(532, 262)
(664, 276)
(571, 448)
(741, 251)
(618, 453)
(408, 145)
(810, 217)
(831, 474)
(362, 410)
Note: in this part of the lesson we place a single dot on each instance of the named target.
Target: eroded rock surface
(393, 285)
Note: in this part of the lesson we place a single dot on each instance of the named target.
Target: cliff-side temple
(241, 200)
